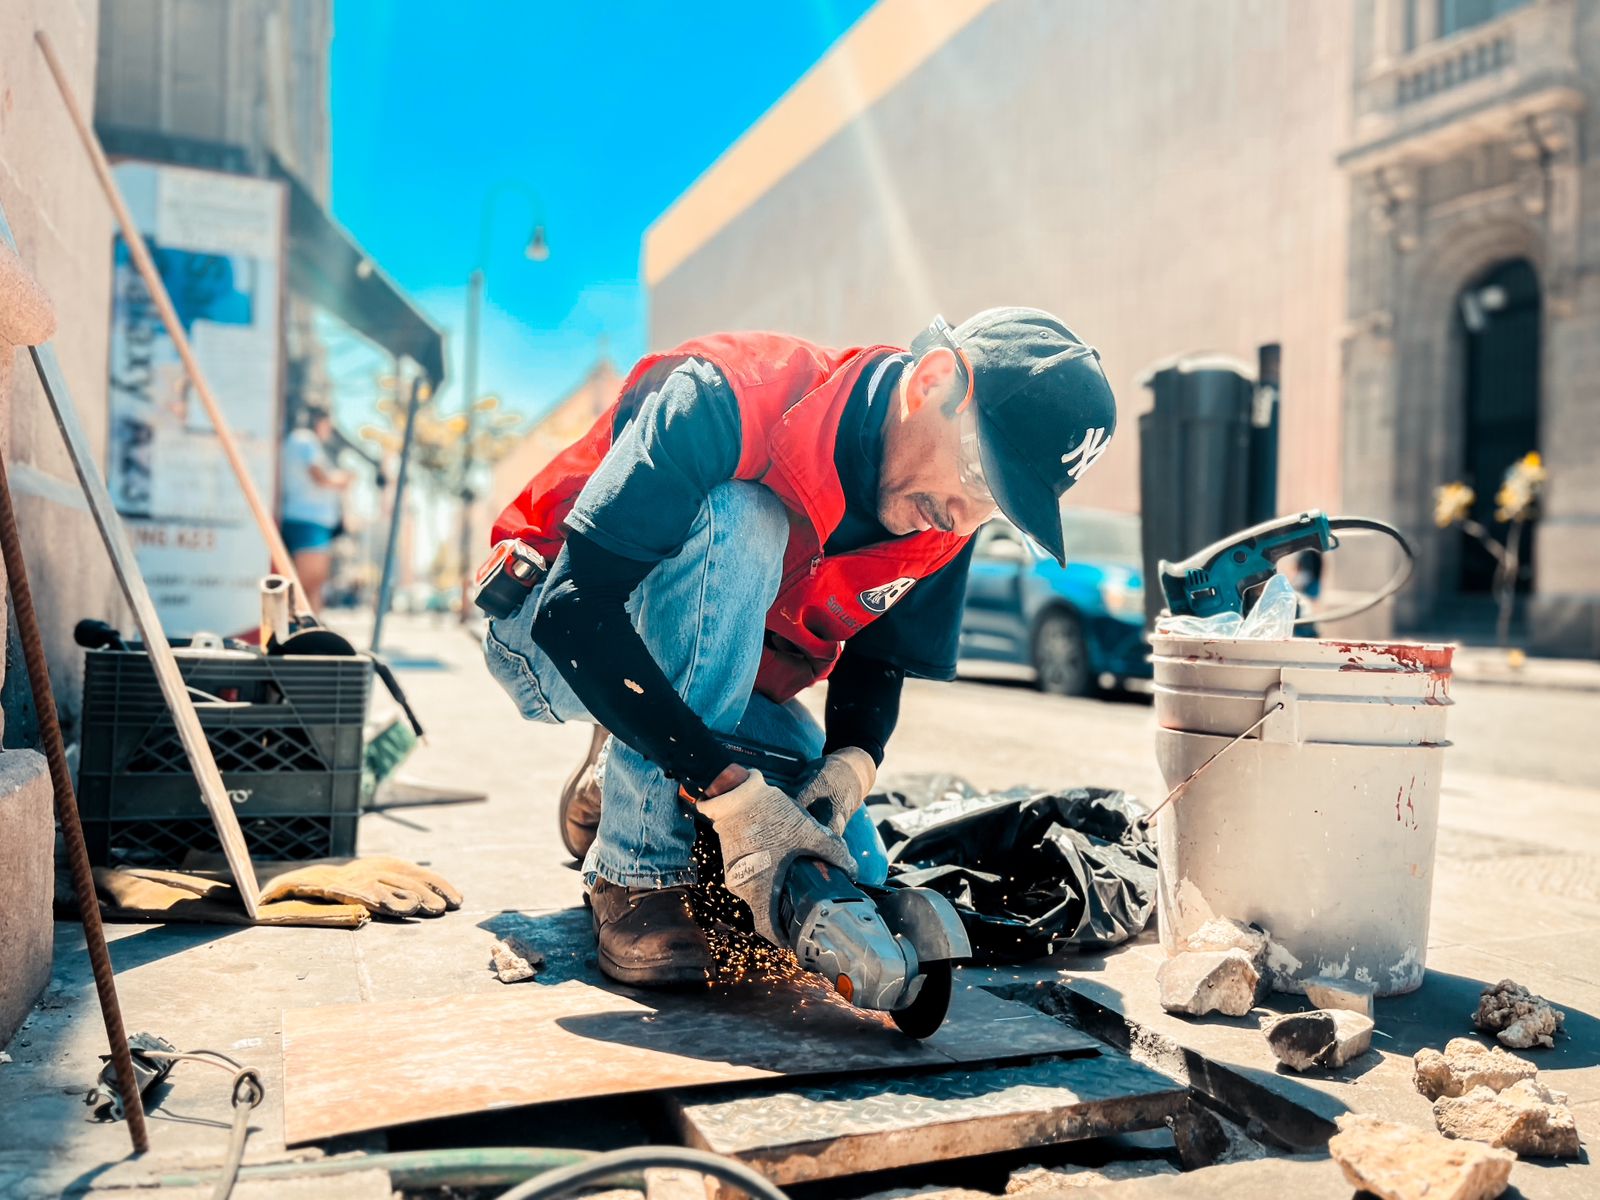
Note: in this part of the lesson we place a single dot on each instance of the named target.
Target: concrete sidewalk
(1518, 894)
(1485, 664)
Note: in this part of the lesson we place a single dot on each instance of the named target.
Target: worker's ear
(927, 379)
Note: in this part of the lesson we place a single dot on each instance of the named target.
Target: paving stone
(1518, 1018)
(1321, 1038)
(1526, 1118)
(1352, 995)
(1465, 1064)
(1206, 981)
(1398, 1162)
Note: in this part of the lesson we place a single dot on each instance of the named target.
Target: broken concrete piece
(1397, 1162)
(1206, 981)
(1322, 1038)
(1517, 1017)
(1026, 1180)
(1526, 1118)
(1351, 995)
(1465, 1064)
(513, 960)
(1221, 933)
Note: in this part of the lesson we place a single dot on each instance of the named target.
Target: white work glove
(836, 792)
(762, 831)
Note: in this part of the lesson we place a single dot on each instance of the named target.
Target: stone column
(27, 824)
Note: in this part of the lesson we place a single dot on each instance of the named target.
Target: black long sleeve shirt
(679, 437)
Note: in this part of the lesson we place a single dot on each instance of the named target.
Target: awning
(327, 267)
(330, 269)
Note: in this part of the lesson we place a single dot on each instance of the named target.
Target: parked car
(1074, 625)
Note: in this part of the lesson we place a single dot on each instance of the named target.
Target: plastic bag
(1271, 619)
(1028, 871)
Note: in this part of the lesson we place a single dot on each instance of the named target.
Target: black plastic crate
(290, 756)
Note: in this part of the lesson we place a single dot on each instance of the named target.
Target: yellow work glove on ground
(836, 792)
(762, 831)
(389, 887)
(144, 895)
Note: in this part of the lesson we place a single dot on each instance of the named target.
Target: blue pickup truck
(1076, 626)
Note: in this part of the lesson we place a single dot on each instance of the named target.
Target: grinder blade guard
(892, 950)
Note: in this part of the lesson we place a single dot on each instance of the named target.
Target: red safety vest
(791, 395)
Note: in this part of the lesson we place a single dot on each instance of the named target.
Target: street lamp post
(537, 250)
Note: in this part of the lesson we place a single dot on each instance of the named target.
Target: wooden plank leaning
(173, 689)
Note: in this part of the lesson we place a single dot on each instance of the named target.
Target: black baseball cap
(1045, 411)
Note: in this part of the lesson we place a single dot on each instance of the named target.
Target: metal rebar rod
(397, 513)
(55, 751)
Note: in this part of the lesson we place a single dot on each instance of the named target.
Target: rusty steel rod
(44, 700)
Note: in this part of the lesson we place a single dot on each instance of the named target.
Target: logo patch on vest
(881, 599)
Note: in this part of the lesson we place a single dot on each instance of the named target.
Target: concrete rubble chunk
(1223, 933)
(1517, 1017)
(514, 960)
(1465, 1064)
(1220, 933)
(1025, 1180)
(1206, 981)
(1398, 1162)
(1323, 1038)
(1351, 995)
(1526, 1118)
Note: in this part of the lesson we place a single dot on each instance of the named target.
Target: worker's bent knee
(509, 652)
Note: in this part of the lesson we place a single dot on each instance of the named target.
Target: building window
(1456, 15)
(1408, 34)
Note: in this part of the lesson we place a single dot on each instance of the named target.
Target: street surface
(1517, 893)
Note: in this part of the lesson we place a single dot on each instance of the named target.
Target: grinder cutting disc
(924, 1015)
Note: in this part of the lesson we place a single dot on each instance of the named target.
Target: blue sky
(607, 111)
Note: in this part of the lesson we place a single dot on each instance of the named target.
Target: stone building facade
(1474, 288)
(1217, 175)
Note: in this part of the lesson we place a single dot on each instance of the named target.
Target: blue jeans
(702, 613)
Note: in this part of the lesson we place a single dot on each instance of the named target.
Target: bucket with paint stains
(1320, 827)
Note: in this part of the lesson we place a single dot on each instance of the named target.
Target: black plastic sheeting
(1028, 871)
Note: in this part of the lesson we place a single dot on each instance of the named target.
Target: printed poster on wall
(217, 241)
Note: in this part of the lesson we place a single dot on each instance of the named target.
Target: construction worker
(754, 514)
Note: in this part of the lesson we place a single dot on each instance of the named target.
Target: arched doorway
(1498, 328)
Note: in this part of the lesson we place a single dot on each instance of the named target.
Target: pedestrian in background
(312, 492)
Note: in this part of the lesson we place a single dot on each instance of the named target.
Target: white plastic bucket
(1321, 826)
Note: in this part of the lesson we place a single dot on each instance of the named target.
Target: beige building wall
(63, 230)
(1163, 176)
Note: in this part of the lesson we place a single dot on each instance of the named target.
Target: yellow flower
(1451, 504)
(1518, 497)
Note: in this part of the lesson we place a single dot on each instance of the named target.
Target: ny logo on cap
(1087, 452)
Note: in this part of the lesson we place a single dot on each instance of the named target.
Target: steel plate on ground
(822, 1131)
(354, 1067)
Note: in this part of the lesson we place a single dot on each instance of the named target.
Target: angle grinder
(1226, 575)
(893, 950)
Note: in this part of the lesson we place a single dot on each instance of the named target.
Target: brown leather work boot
(579, 813)
(648, 937)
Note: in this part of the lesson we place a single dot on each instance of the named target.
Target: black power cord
(638, 1158)
(1398, 581)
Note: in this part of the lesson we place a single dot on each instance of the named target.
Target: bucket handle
(1276, 706)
